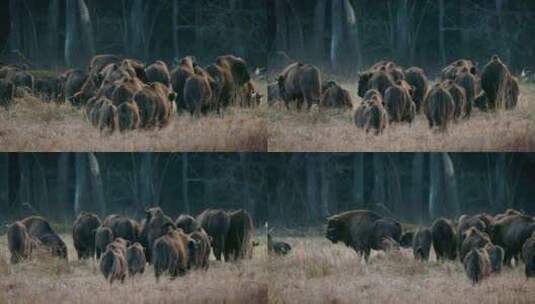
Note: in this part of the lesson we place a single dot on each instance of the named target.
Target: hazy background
(287, 189)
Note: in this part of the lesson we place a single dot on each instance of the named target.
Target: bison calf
(135, 258)
(113, 266)
(103, 237)
(421, 244)
(477, 265)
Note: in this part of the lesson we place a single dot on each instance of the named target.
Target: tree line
(288, 189)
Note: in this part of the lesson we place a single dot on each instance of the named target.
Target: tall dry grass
(316, 271)
(35, 126)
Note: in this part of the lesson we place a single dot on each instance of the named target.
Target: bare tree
(4, 181)
(417, 192)
(185, 184)
(443, 199)
(441, 31)
(146, 182)
(81, 192)
(96, 185)
(358, 180)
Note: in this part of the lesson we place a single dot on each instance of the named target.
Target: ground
(32, 125)
(316, 271)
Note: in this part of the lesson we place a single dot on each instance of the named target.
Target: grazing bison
(239, 241)
(439, 107)
(216, 223)
(407, 239)
(444, 239)
(179, 75)
(416, 78)
(128, 116)
(135, 259)
(457, 67)
(187, 223)
(103, 237)
(477, 265)
(198, 98)
(107, 117)
(158, 72)
(496, 83)
(48, 88)
(355, 229)
(468, 82)
(510, 233)
(496, 254)
(170, 252)
(40, 229)
(21, 79)
(19, 242)
(371, 114)
(528, 255)
(334, 96)
(122, 227)
(7, 92)
(421, 244)
(83, 234)
(385, 229)
(459, 99)
(300, 82)
(199, 251)
(472, 239)
(153, 228)
(399, 104)
(113, 265)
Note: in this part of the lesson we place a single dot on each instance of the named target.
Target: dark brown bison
(459, 99)
(99, 62)
(507, 212)
(72, 82)
(112, 73)
(155, 102)
(222, 86)
(381, 80)
(439, 107)
(355, 229)
(371, 115)
(496, 83)
(113, 265)
(83, 234)
(170, 252)
(49, 88)
(103, 237)
(7, 93)
(301, 83)
(122, 227)
(334, 96)
(216, 223)
(199, 253)
(198, 98)
(128, 116)
(239, 241)
(187, 223)
(477, 265)
(237, 67)
(480, 221)
(512, 93)
(472, 239)
(444, 239)
(19, 242)
(407, 239)
(468, 82)
(158, 72)
(21, 78)
(107, 117)
(120, 245)
(399, 104)
(125, 89)
(385, 229)
(416, 77)
(510, 233)
(459, 66)
(40, 229)
(380, 76)
(135, 259)
(528, 255)
(421, 245)
(134, 68)
(179, 75)
(153, 227)
(496, 255)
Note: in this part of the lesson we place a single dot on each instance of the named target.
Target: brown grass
(34, 126)
(316, 271)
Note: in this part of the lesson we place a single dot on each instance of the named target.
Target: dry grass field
(35, 126)
(316, 271)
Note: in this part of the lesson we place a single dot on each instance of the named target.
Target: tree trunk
(96, 185)
(15, 34)
(379, 195)
(136, 26)
(281, 37)
(402, 31)
(87, 30)
(176, 49)
(443, 200)
(71, 33)
(4, 183)
(40, 188)
(146, 190)
(25, 180)
(185, 184)
(53, 30)
(319, 29)
(417, 193)
(441, 30)
(325, 177)
(312, 187)
(63, 200)
(247, 199)
(358, 180)
(500, 184)
(81, 190)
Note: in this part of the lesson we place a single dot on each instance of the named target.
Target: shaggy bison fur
(83, 234)
(399, 104)
(113, 265)
(416, 77)
(19, 242)
(170, 253)
(444, 239)
(40, 229)
(216, 223)
(103, 237)
(187, 223)
(135, 259)
(439, 107)
(421, 245)
(511, 232)
(528, 255)
(239, 241)
(334, 96)
(301, 83)
(158, 72)
(477, 265)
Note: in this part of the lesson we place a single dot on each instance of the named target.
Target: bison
(83, 234)
(416, 77)
(511, 232)
(444, 239)
(421, 244)
(477, 265)
(216, 223)
(301, 83)
(40, 229)
(103, 237)
(239, 241)
(528, 255)
(158, 72)
(439, 107)
(19, 242)
(113, 265)
(170, 252)
(135, 259)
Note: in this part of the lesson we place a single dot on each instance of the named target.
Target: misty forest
(291, 190)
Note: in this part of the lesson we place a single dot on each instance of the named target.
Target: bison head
(335, 230)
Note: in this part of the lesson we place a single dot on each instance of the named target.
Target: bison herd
(393, 95)
(124, 246)
(483, 243)
(123, 94)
